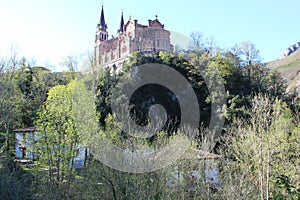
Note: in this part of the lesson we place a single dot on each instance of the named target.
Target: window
(163, 44)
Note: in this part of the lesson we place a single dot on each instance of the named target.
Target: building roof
(194, 153)
(40, 68)
(191, 154)
(155, 23)
(28, 129)
(151, 24)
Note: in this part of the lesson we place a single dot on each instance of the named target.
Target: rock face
(291, 49)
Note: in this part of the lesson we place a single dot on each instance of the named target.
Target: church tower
(100, 38)
(102, 33)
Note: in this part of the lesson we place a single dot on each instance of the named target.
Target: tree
(197, 40)
(32, 84)
(71, 63)
(14, 181)
(67, 115)
(260, 151)
(247, 53)
(105, 83)
(9, 97)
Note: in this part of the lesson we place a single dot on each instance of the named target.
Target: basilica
(131, 36)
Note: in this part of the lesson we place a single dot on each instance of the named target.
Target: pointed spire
(122, 23)
(102, 20)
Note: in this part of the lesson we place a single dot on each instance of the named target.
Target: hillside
(289, 67)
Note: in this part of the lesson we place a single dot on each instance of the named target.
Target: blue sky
(49, 30)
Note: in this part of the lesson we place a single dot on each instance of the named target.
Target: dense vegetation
(259, 148)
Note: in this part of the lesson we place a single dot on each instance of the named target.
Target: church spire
(102, 23)
(102, 33)
(122, 23)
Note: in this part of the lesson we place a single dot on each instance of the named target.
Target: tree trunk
(268, 172)
(261, 172)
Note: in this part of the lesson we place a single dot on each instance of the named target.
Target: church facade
(131, 36)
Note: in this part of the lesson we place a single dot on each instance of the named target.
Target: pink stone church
(131, 36)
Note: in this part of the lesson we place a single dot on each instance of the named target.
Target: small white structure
(26, 150)
(25, 139)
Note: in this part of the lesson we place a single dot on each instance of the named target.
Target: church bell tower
(100, 37)
(102, 33)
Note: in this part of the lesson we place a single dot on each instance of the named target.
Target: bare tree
(198, 40)
(249, 53)
(71, 62)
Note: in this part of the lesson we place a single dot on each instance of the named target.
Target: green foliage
(289, 191)
(57, 132)
(261, 150)
(105, 83)
(158, 94)
(15, 182)
(68, 114)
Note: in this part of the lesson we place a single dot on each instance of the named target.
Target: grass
(289, 68)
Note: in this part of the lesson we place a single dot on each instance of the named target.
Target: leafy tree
(23, 81)
(105, 84)
(9, 98)
(67, 115)
(14, 181)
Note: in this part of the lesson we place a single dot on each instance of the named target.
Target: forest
(256, 156)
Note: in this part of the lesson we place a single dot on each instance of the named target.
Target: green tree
(9, 98)
(105, 83)
(67, 115)
(14, 181)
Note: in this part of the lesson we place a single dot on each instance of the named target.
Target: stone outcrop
(291, 49)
